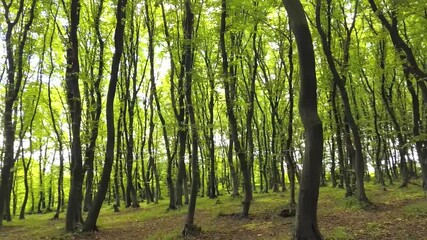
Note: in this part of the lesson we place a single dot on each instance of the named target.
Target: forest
(170, 107)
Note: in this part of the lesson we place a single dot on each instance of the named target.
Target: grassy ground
(398, 214)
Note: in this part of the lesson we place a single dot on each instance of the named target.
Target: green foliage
(44, 60)
(219, 217)
(417, 210)
(340, 233)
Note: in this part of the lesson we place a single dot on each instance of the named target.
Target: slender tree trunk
(410, 65)
(290, 162)
(378, 165)
(144, 175)
(340, 80)
(27, 163)
(179, 112)
(233, 173)
(151, 157)
(387, 99)
(260, 156)
(149, 21)
(229, 86)
(15, 73)
(190, 228)
(74, 102)
(338, 136)
(306, 220)
(90, 223)
(26, 186)
(212, 181)
(42, 172)
(58, 134)
(95, 112)
(419, 145)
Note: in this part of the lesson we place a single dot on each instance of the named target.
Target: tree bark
(410, 65)
(150, 27)
(13, 88)
(74, 103)
(387, 99)
(306, 220)
(229, 86)
(190, 228)
(379, 171)
(340, 81)
(90, 223)
(94, 112)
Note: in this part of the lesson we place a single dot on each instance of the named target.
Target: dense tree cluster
(138, 100)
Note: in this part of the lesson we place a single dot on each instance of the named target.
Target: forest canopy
(129, 101)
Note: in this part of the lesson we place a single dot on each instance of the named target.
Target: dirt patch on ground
(392, 219)
(386, 221)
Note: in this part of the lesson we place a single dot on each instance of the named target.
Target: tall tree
(130, 77)
(59, 138)
(388, 102)
(306, 221)
(229, 87)
(340, 80)
(26, 163)
(75, 107)
(150, 24)
(179, 110)
(94, 108)
(188, 61)
(410, 66)
(90, 223)
(15, 74)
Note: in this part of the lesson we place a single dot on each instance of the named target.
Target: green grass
(340, 233)
(416, 209)
(339, 218)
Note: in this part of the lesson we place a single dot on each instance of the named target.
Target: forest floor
(398, 213)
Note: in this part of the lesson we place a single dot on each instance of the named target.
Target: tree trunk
(15, 73)
(95, 112)
(150, 26)
(74, 103)
(410, 65)
(340, 81)
(306, 220)
(190, 228)
(148, 194)
(290, 162)
(229, 86)
(42, 172)
(90, 223)
(24, 202)
(387, 99)
(378, 165)
(58, 134)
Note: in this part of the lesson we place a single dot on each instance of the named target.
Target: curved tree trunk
(58, 134)
(377, 158)
(74, 103)
(94, 113)
(27, 163)
(229, 86)
(306, 221)
(149, 21)
(90, 223)
(340, 80)
(190, 228)
(387, 99)
(410, 65)
(13, 85)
